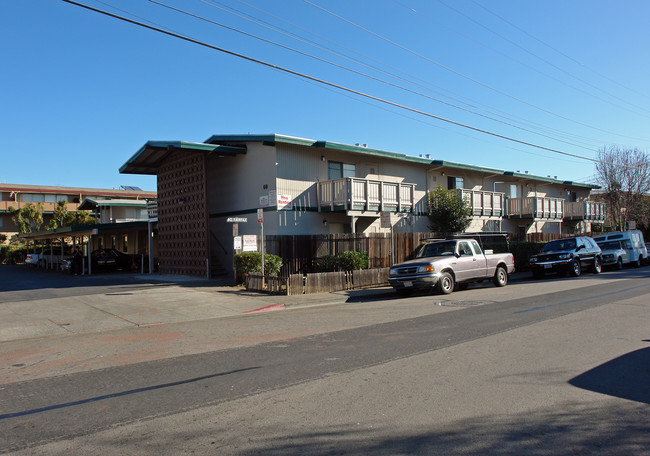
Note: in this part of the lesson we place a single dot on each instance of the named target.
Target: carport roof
(81, 230)
(148, 158)
(92, 203)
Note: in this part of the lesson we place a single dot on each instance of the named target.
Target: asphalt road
(252, 399)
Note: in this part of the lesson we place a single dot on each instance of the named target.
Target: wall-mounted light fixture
(324, 222)
(322, 158)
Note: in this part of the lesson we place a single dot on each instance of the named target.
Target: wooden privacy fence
(320, 282)
(299, 253)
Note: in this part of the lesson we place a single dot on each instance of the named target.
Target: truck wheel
(574, 268)
(446, 283)
(619, 263)
(598, 265)
(500, 277)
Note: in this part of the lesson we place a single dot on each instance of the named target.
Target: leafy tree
(78, 218)
(448, 212)
(28, 218)
(59, 217)
(624, 175)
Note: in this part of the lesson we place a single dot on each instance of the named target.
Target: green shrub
(11, 254)
(342, 261)
(325, 264)
(247, 262)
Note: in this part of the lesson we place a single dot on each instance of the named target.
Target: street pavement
(55, 324)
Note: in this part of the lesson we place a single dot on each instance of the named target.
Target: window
(464, 249)
(337, 170)
(513, 191)
(32, 197)
(477, 248)
(454, 182)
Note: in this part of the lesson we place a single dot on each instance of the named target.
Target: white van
(631, 240)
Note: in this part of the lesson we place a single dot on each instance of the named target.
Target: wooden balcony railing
(584, 210)
(48, 208)
(536, 207)
(357, 194)
(484, 202)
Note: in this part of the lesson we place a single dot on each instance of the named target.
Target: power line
(361, 74)
(322, 81)
(558, 51)
(517, 45)
(464, 76)
(490, 110)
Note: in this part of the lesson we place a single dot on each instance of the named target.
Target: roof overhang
(84, 230)
(91, 204)
(523, 176)
(148, 158)
(273, 139)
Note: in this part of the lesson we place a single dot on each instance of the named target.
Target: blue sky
(82, 92)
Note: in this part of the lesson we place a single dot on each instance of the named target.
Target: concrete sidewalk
(65, 305)
(55, 324)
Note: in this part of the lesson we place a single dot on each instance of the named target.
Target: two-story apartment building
(126, 205)
(305, 186)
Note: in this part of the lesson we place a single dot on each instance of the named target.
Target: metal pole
(392, 250)
(262, 245)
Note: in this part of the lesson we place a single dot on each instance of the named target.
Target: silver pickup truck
(442, 264)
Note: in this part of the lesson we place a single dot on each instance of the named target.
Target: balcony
(357, 194)
(590, 211)
(48, 208)
(536, 207)
(483, 202)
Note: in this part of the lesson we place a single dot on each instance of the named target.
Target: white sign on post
(237, 243)
(250, 243)
(385, 221)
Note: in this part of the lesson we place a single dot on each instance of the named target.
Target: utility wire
(464, 76)
(322, 81)
(519, 62)
(489, 110)
(558, 51)
(383, 81)
(517, 45)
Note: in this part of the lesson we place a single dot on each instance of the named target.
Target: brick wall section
(183, 227)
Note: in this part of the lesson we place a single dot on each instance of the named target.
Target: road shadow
(571, 429)
(626, 377)
(16, 278)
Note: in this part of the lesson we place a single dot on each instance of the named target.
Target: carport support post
(89, 247)
(150, 247)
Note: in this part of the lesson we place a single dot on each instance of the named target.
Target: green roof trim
(221, 142)
(77, 229)
(550, 180)
(149, 156)
(92, 203)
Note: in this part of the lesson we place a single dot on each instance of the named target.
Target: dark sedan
(110, 259)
